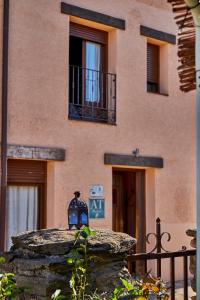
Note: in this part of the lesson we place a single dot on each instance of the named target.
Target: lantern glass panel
(83, 218)
(73, 217)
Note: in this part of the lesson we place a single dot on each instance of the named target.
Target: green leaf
(117, 290)
(62, 297)
(85, 232)
(79, 262)
(10, 275)
(127, 284)
(70, 261)
(84, 235)
(83, 270)
(56, 294)
(72, 282)
(75, 254)
(88, 231)
(2, 260)
(77, 234)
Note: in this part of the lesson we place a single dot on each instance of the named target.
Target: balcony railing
(92, 95)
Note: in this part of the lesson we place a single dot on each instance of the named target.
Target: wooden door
(129, 205)
(129, 209)
(130, 202)
(118, 203)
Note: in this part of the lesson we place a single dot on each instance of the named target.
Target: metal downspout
(4, 123)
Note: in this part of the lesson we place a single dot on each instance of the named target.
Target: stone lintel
(131, 160)
(34, 152)
(158, 35)
(91, 15)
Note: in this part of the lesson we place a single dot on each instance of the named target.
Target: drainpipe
(195, 10)
(4, 123)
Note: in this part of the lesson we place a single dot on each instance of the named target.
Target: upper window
(91, 87)
(153, 63)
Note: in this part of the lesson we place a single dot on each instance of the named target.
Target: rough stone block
(38, 259)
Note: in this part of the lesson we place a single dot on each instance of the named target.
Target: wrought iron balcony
(92, 95)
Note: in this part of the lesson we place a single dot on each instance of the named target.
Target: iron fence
(158, 253)
(92, 95)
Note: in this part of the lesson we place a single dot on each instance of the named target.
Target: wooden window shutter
(88, 33)
(153, 66)
(26, 171)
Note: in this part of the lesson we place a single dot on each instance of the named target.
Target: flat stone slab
(61, 241)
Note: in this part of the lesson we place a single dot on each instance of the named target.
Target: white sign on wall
(96, 190)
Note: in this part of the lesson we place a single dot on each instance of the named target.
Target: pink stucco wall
(158, 125)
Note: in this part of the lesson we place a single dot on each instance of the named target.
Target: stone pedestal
(192, 233)
(39, 261)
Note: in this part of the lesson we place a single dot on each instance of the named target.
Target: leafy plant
(8, 285)
(141, 288)
(79, 261)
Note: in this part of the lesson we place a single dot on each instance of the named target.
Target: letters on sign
(96, 208)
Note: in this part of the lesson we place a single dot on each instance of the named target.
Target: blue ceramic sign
(96, 208)
(96, 190)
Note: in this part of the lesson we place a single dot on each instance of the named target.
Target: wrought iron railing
(159, 253)
(92, 95)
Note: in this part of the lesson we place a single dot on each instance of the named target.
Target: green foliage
(2, 260)
(8, 285)
(79, 262)
(141, 288)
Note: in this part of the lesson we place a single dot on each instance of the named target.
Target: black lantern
(77, 212)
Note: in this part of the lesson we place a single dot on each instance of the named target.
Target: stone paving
(179, 291)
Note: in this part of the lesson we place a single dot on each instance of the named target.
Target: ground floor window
(22, 210)
(25, 207)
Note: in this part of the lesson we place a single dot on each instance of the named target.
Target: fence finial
(158, 237)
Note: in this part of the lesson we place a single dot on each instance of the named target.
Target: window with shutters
(25, 197)
(92, 89)
(153, 68)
